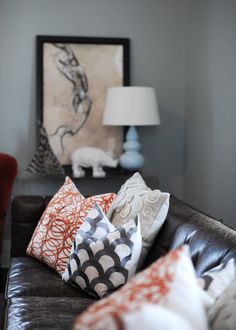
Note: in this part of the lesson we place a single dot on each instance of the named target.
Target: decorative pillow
(153, 317)
(135, 197)
(103, 257)
(222, 314)
(170, 282)
(217, 279)
(52, 239)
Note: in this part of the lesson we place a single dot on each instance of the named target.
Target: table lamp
(131, 106)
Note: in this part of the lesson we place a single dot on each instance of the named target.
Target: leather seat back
(211, 242)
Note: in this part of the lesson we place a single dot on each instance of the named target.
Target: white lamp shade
(131, 106)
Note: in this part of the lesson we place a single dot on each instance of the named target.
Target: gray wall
(185, 49)
(157, 59)
(210, 155)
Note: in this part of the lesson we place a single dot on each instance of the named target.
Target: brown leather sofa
(37, 298)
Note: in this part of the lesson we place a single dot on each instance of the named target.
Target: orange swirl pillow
(52, 239)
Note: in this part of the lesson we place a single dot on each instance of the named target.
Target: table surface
(48, 185)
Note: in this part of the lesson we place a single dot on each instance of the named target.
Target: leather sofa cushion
(44, 313)
(207, 250)
(210, 241)
(30, 277)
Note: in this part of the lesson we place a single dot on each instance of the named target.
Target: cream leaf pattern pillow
(134, 197)
(52, 239)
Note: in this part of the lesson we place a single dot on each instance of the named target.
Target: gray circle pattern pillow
(103, 257)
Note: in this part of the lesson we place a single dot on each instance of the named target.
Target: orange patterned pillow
(52, 239)
(170, 282)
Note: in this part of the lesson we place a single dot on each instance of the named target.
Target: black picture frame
(72, 46)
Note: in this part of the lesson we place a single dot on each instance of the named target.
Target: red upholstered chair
(8, 171)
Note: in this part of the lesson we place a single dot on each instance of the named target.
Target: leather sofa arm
(26, 212)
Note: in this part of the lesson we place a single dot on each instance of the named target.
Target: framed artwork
(73, 75)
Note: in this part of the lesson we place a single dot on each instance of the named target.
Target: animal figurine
(91, 157)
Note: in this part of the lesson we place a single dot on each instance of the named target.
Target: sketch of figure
(69, 66)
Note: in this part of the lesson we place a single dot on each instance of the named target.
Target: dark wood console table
(48, 185)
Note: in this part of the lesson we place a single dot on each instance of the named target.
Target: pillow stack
(90, 249)
(98, 243)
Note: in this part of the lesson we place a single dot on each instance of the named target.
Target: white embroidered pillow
(169, 282)
(153, 317)
(135, 197)
(103, 257)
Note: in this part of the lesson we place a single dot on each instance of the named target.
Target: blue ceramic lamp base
(131, 159)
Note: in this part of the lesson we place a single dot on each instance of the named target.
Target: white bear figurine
(91, 157)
